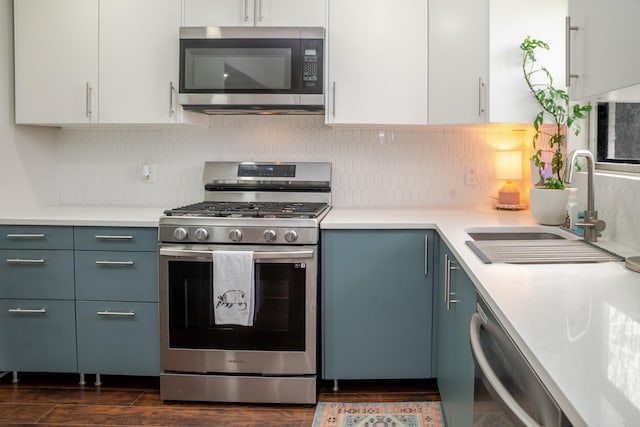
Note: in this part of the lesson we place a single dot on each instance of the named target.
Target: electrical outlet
(471, 175)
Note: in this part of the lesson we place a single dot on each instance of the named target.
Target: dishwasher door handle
(491, 380)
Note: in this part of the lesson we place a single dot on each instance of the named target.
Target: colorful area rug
(387, 414)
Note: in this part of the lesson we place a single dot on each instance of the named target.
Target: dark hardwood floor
(58, 400)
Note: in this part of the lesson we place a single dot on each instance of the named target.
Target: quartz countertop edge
(578, 325)
(96, 216)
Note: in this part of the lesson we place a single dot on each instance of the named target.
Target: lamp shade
(509, 165)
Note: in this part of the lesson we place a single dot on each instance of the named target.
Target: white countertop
(82, 216)
(577, 324)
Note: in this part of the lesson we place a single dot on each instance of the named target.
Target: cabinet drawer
(116, 276)
(41, 274)
(35, 237)
(37, 336)
(116, 238)
(118, 338)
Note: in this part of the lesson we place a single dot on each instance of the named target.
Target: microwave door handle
(256, 255)
(490, 379)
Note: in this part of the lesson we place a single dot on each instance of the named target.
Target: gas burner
(250, 209)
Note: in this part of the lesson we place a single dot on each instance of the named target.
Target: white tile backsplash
(413, 168)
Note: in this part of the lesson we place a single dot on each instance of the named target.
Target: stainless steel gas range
(250, 249)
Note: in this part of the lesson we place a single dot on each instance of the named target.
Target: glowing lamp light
(509, 168)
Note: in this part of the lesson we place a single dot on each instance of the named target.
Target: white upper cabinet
(605, 49)
(56, 61)
(377, 62)
(475, 62)
(458, 61)
(272, 13)
(107, 62)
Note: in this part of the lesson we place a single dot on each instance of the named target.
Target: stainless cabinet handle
(246, 10)
(333, 99)
(107, 237)
(426, 254)
(88, 101)
(114, 263)
(116, 313)
(568, 28)
(27, 311)
(26, 236)
(25, 261)
(260, 16)
(481, 98)
(447, 282)
(172, 89)
(489, 377)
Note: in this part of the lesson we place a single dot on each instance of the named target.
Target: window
(618, 136)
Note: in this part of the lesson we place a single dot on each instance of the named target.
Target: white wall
(27, 154)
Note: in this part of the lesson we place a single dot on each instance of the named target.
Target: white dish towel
(233, 287)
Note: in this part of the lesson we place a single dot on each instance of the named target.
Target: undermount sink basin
(534, 245)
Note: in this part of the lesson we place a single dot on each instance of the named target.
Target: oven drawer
(35, 237)
(37, 336)
(118, 338)
(116, 276)
(43, 274)
(116, 238)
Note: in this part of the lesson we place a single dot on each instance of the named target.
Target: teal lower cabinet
(455, 302)
(376, 304)
(118, 338)
(37, 335)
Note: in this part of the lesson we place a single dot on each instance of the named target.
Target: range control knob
(235, 235)
(291, 236)
(269, 235)
(201, 234)
(180, 233)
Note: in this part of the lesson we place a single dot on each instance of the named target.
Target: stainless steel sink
(534, 245)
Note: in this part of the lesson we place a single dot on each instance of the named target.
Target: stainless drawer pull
(26, 236)
(24, 261)
(27, 311)
(116, 313)
(107, 237)
(114, 263)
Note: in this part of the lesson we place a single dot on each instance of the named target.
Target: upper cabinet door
(475, 62)
(458, 61)
(377, 62)
(56, 61)
(274, 13)
(604, 47)
(284, 13)
(138, 61)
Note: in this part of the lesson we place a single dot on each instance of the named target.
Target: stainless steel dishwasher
(507, 390)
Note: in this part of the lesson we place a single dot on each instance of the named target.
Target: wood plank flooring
(58, 400)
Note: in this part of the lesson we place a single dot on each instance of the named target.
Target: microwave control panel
(312, 64)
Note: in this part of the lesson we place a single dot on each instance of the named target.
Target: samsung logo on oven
(234, 361)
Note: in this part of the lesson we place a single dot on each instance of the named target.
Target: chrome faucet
(592, 225)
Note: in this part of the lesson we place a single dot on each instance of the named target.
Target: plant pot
(548, 206)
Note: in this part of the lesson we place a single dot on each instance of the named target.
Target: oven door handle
(256, 255)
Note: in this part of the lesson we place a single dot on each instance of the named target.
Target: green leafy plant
(555, 109)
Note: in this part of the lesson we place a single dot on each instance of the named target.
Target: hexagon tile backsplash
(410, 168)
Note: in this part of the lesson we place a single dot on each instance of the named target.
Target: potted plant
(548, 207)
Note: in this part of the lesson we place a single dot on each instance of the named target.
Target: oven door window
(238, 66)
(279, 318)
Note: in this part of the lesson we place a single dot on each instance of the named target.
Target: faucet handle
(591, 220)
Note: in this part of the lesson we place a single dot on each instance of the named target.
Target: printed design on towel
(232, 297)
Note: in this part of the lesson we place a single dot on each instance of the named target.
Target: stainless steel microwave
(239, 70)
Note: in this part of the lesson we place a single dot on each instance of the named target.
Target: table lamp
(509, 168)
